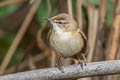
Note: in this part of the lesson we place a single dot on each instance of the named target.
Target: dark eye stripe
(61, 22)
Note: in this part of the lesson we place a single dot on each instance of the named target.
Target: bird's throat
(57, 28)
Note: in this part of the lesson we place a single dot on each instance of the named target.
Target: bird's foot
(60, 68)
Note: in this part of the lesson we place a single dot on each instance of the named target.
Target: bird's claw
(60, 68)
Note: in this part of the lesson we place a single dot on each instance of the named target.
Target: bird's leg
(58, 61)
(58, 64)
(80, 62)
(84, 58)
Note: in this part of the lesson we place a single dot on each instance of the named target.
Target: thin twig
(49, 6)
(102, 14)
(114, 34)
(92, 30)
(31, 62)
(69, 4)
(100, 40)
(118, 55)
(79, 13)
(10, 2)
(73, 71)
(19, 36)
(114, 38)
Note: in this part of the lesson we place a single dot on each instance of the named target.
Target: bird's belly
(67, 45)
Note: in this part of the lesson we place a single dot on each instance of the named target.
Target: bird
(66, 39)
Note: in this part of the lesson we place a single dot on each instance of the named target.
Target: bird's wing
(48, 35)
(83, 35)
(84, 50)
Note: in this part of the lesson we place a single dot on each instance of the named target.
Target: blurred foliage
(16, 58)
(110, 10)
(74, 8)
(7, 10)
(31, 1)
(6, 41)
(96, 2)
(42, 11)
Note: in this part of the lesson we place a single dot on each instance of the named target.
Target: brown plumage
(65, 37)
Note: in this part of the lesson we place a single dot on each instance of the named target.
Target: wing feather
(84, 50)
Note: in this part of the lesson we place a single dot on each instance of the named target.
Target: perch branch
(73, 71)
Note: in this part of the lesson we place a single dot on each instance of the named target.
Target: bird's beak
(49, 19)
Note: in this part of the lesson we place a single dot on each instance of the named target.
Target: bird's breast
(66, 44)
